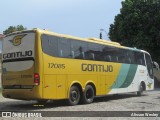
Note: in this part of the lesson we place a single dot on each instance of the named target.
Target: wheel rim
(89, 94)
(74, 95)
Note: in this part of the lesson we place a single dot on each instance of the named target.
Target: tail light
(36, 79)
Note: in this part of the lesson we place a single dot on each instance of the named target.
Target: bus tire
(74, 96)
(88, 95)
(141, 89)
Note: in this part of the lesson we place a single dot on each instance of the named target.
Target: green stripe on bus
(130, 76)
(121, 76)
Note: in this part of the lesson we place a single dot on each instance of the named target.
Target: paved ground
(126, 102)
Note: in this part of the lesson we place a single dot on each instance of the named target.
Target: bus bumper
(21, 94)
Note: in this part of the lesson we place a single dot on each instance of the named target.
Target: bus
(42, 65)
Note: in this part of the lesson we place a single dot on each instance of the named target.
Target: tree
(13, 29)
(138, 25)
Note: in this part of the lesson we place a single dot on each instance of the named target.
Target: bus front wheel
(141, 89)
(88, 95)
(74, 95)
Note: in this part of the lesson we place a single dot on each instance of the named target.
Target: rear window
(18, 52)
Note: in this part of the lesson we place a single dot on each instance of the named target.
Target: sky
(81, 18)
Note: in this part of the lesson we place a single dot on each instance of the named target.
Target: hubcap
(89, 94)
(74, 95)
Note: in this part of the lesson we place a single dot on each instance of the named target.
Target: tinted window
(107, 54)
(78, 49)
(139, 58)
(96, 51)
(122, 56)
(70, 48)
(64, 48)
(130, 57)
(50, 45)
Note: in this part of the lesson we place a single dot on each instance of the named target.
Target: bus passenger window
(128, 60)
(96, 49)
(139, 58)
(89, 55)
(50, 45)
(61, 53)
(107, 58)
(72, 54)
(64, 48)
(79, 48)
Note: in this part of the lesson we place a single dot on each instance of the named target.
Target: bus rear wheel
(88, 95)
(74, 96)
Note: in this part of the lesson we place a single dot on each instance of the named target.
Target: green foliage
(11, 29)
(138, 25)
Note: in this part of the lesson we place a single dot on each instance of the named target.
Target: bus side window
(64, 48)
(130, 57)
(108, 54)
(78, 49)
(139, 58)
(121, 56)
(128, 60)
(50, 45)
(89, 55)
(72, 54)
(96, 50)
(61, 53)
(107, 58)
(93, 56)
(117, 59)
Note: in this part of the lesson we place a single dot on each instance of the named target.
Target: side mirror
(155, 65)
